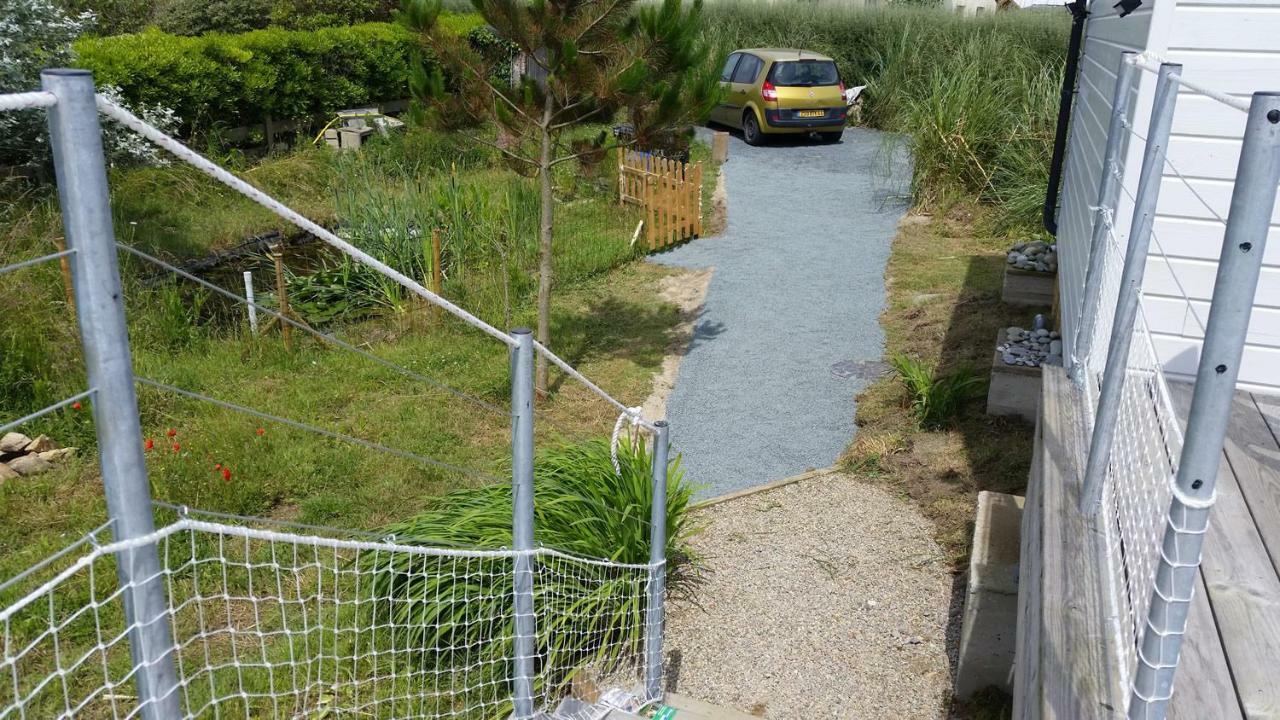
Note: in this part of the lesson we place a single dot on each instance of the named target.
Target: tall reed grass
(976, 97)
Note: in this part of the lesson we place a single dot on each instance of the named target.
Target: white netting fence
(1139, 490)
(270, 624)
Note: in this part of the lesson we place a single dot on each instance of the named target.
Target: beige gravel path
(828, 598)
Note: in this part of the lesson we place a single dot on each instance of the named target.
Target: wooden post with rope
(437, 272)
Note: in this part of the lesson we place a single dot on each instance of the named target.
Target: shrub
(196, 17)
(935, 398)
(243, 79)
(313, 14)
(581, 507)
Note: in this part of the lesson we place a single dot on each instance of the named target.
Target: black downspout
(1050, 214)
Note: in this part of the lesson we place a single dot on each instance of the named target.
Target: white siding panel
(1176, 316)
(1204, 157)
(1175, 276)
(1181, 356)
(1107, 36)
(1202, 239)
(1199, 115)
(1226, 27)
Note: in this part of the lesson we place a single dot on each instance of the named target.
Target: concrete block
(988, 632)
(353, 138)
(1027, 287)
(1014, 389)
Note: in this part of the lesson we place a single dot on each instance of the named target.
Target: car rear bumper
(786, 119)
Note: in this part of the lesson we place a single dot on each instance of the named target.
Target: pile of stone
(1030, 348)
(1035, 256)
(21, 455)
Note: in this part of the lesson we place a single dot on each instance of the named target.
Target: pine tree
(587, 61)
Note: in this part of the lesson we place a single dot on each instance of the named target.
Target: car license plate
(810, 113)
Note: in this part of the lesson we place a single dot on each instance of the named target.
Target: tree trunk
(544, 247)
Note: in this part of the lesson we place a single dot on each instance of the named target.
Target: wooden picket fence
(669, 191)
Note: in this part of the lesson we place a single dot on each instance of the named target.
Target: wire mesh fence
(1146, 474)
(275, 624)
(209, 619)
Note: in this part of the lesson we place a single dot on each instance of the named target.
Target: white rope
(27, 101)
(318, 541)
(634, 415)
(568, 370)
(191, 157)
(1151, 61)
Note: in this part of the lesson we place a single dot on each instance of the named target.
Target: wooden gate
(669, 191)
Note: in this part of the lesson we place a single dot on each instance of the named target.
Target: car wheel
(751, 129)
(831, 137)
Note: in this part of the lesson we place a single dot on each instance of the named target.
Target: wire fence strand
(36, 261)
(46, 410)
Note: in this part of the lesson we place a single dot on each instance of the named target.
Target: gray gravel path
(825, 600)
(798, 287)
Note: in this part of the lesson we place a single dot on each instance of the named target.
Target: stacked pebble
(1037, 256)
(1030, 348)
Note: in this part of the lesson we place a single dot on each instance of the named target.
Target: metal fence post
(80, 168)
(522, 363)
(1253, 200)
(248, 295)
(658, 571)
(1135, 264)
(1108, 192)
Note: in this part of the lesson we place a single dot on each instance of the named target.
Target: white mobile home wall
(1229, 46)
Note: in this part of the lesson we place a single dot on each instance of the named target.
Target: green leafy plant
(243, 79)
(935, 398)
(588, 614)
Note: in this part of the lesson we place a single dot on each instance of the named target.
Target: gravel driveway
(798, 288)
(826, 600)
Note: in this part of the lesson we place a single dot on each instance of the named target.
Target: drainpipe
(1050, 213)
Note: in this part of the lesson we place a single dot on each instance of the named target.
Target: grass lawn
(607, 322)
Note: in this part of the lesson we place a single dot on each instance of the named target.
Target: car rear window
(804, 73)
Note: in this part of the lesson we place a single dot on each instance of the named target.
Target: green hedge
(242, 79)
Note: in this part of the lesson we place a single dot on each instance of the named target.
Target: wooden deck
(1230, 666)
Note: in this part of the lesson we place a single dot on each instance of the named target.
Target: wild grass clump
(459, 612)
(936, 398)
(977, 98)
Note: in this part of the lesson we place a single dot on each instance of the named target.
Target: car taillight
(841, 88)
(768, 91)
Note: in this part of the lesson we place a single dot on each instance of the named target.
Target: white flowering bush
(37, 34)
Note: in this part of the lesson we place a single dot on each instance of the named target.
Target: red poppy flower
(217, 466)
(177, 447)
(170, 432)
(262, 431)
(76, 405)
(226, 475)
(148, 444)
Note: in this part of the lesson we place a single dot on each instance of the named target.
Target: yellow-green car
(781, 92)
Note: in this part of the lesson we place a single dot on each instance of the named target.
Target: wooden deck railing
(669, 191)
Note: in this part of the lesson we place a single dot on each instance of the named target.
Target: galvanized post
(80, 168)
(1252, 202)
(1108, 194)
(522, 362)
(658, 569)
(1135, 263)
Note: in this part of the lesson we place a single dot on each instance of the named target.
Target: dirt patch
(717, 219)
(825, 598)
(687, 291)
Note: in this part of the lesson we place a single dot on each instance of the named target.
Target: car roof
(784, 54)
